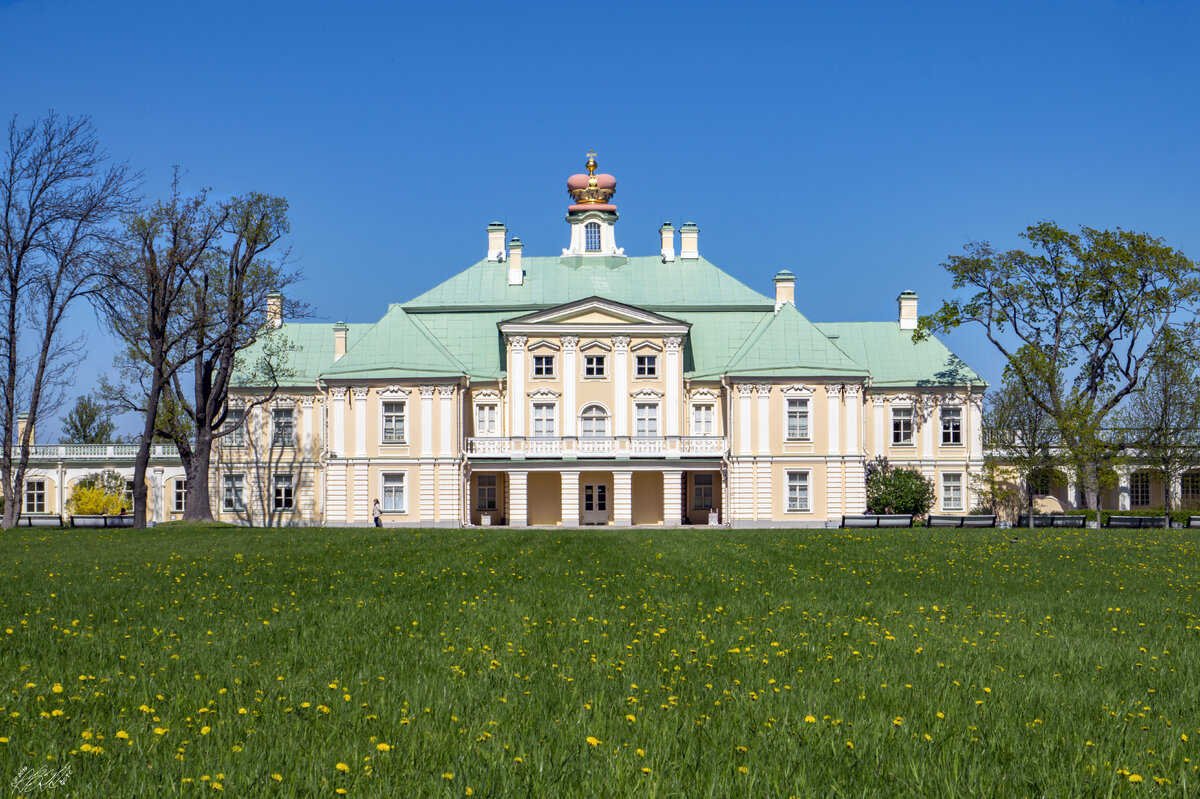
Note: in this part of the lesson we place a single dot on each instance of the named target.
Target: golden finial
(591, 162)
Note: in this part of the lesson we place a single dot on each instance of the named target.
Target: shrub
(896, 490)
(89, 500)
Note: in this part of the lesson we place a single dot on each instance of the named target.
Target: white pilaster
(833, 401)
(620, 386)
(763, 487)
(518, 499)
(833, 490)
(1123, 490)
(764, 419)
(570, 499)
(974, 410)
(623, 498)
(673, 501)
(426, 421)
(852, 405)
(881, 443)
(339, 419)
(307, 434)
(158, 498)
(674, 384)
(449, 497)
(745, 390)
(335, 498)
(446, 419)
(926, 413)
(570, 378)
(360, 420)
(516, 384)
(362, 493)
(427, 490)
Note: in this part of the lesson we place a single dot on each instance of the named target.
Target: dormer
(592, 216)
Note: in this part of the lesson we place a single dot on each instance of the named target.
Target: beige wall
(647, 498)
(545, 498)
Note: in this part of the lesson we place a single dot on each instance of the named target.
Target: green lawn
(602, 663)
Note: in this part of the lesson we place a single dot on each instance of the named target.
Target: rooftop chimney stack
(339, 340)
(274, 310)
(908, 310)
(22, 423)
(516, 275)
(785, 289)
(668, 242)
(497, 232)
(689, 241)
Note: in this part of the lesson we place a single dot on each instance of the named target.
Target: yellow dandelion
(645, 770)
(518, 760)
(277, 777)
(1135, 777)
(928, 737)
(630, 717)
(941, 715)
(449, 775)
(1183, 737)
(3, 740)
(343, 768)
(898, 720)
(205, 730)
(122, 735)
(216, 786)
(57, 688)
(810, 719)
(382, 747)
(340, 791)
(160, 731)
(640, 752)
(743, 770)
(469, 791)
(594, 741)
(849, 744)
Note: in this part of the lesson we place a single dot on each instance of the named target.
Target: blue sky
(857, 144)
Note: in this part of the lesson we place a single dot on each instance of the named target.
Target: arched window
(593, 422)
(591, 232)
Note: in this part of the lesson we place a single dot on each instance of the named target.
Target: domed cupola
(592, 215)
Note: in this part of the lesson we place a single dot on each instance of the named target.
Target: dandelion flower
(594, 741)
(340, 791)
(810, 719)
(743, 770)
(205, 730)
(630, 717)
(343, 768)
(449, 775)
(645, 770)
(1135, 777)
(469, 791)
(382, 747)
(849, 744)
(160, 731)
(640, 752)
(277, 777)
(122, 735)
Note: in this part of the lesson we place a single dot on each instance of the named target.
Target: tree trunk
(198, 505)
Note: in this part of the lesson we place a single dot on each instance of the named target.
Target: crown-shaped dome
(591, 192)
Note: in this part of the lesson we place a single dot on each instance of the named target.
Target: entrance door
(595, 504)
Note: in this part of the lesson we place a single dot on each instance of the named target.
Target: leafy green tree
(89, 422)
(1093, 305)
(892, 489)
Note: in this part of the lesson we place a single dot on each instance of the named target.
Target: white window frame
(388, 500)
(803, 410)
(645, 367)
(653, 417)
(1139, 490)
(233, 492)
(485, 426)
(283, 493)
(607, 429)
(487, 495)
(952, 486)
(37, 495)
(947, 414)
(591, 234)
(237, 438)
(543, 375)
(276, 439)
(383, 421)
(542, 404)
(704, 426)
(1189, 485)
(912, 433)
(600, 361)
(800, 502)
(180, 494)
(701, 481)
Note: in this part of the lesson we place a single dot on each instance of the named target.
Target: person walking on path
(377, 514)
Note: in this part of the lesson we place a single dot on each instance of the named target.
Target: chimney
(689, 241)
(785, 289)
(274, 310)
(339, 340)
(668, 242)
(516, 275)
(22, 422)
(908, 310)
(497, 232)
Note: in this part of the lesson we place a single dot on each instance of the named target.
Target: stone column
(833, 400)
(623, 498)
(674, 384)
(426, 421)
(518, 499)
(852, 405)
(620, 386)
(1123, 490)
(745, 390)
(673, 502)
(360, 420)
(159, 499)
(570, 378)
(570, 499)
(338, 393)
(516, 385)
(446, 420)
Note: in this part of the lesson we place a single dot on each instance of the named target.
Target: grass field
(601, 663)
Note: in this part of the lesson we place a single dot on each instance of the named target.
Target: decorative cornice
(853, 390)
(487, 394)
(394, 391)
(596, 344)
(950, 399)
(704, 394)
(545, 393)
(745, 389)
(621, 343)
(543, 343)
(337, 392)
(647, 345)
(361, 392)
(646, 393)
(517, 342)
(307, 400)
(878, 400)
(764, 389)
(445, 391)
(569, 343)
(426, 391)
(672, 343)
(797, 389)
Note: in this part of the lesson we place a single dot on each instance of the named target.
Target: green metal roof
(895, 359)
(310, 353)
(786, 343)
(644, 282)
(396, 347)
(473, 339)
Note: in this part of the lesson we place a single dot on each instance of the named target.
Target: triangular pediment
(592, 312)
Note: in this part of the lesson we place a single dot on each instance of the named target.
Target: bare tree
(59, 202)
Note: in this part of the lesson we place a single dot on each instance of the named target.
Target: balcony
(572, 447)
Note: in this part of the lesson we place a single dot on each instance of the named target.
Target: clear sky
(857, 144)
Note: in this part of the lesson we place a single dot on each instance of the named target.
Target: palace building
(592, 387)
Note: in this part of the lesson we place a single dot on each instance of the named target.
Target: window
(485, 492)
(797, 420)
(702, 492)
(951, 425)
(235, 430)
(35, 496)
(593, 366)
(180, 495)
(647, 366)
(1039, 483)
(129, 493)
(543, 366)
(952, 495)
(591, 233)
(485, 420)
(593, 422)
(1189, 485)
(232, 497)
(902, 426)
(703, 420)
(393, 492)
(393, 422)
(284, 433)
(543, 420)
(646, 416)
(797, 491)
(283, 492)
(1139, 490)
